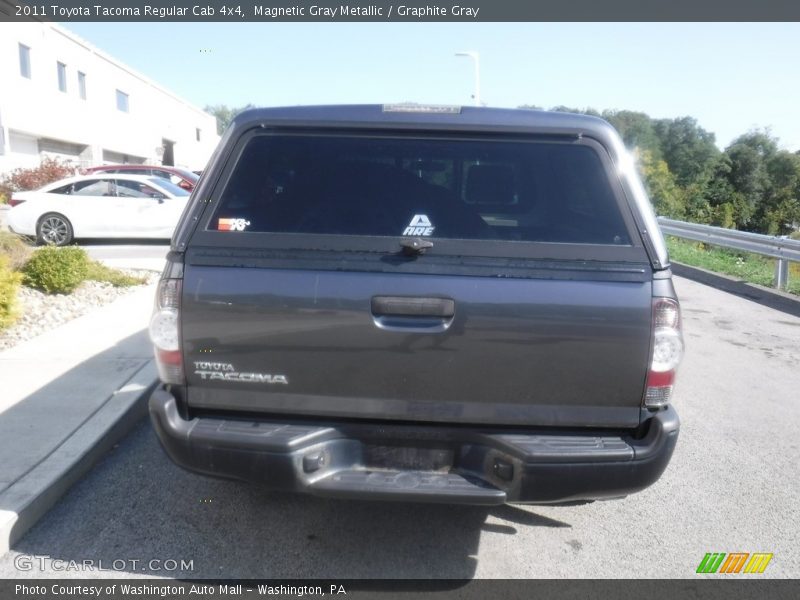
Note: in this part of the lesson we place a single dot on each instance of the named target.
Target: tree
(748, 156)
(780, 208)
(224, 114)
(689, 149)
(765, 182)
(727, 207)
(581, 111)
(664, 193)
(636, 130)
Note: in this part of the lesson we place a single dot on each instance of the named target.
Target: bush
(21, 180)
(9, 284)
(56, 270)
(99, 272)
(15, 249)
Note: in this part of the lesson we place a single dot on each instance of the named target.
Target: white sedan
(98, 206)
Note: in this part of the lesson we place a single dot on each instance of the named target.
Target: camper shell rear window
(503, 190)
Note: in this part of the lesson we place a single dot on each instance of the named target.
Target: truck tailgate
(546, 351)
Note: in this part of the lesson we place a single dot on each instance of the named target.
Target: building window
(122, 101)
(24, 61)
(197, 133)
(62, 76)
(82, 85)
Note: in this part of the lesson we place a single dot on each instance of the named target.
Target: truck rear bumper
(476, 465)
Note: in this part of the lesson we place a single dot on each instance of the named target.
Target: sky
(732, 77)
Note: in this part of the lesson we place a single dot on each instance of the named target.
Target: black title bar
(270, 11)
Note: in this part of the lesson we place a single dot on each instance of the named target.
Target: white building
(62, 97)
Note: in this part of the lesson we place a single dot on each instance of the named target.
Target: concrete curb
(29, 498)
(765, 296)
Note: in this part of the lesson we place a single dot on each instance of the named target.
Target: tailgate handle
(413, 307)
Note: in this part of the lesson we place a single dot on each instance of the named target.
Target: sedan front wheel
(54, 229)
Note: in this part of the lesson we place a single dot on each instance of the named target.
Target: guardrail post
(781, 273)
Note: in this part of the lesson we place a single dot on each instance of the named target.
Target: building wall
(37, 119)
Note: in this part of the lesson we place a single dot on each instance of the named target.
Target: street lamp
(475, 57)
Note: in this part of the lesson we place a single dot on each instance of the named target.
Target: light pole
(477, 59)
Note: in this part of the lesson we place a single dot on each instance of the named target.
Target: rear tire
(54, 229)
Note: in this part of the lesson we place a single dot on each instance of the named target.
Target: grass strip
(752, 268)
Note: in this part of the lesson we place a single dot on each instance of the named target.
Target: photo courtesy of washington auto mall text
(399, 299)
(142, 591)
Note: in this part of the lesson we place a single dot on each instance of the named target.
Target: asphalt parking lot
(732, 486)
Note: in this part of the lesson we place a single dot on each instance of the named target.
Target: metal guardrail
(779, 247)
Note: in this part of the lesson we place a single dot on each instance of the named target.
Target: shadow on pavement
(52, 434)
(136, 505)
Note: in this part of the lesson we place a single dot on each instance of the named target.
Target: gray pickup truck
(419, 303)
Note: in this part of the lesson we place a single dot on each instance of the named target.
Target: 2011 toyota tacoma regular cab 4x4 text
(444, 304)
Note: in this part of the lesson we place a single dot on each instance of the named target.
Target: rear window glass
(437, 188)
(88, 187)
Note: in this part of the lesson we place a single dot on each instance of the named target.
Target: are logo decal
(420, 225)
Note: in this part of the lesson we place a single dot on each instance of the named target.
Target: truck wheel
(54, 229)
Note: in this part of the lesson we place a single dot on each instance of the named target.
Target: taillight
(165, 331)
(667, 352)
(15, 201)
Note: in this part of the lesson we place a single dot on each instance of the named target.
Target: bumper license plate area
(408, 458)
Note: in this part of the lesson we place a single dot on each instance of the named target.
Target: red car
(180, 177)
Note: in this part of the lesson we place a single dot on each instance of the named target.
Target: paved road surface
(732, 486)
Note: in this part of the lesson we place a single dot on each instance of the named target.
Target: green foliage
(9, 284)
(99, 272)
(766, 182)
(660, 182)
(780, 208)
(636, 130)
(582, 111)
(747, 267)
(21, 180)
(723, 216)
(56, 270)
(14, 248)
(688, 149)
